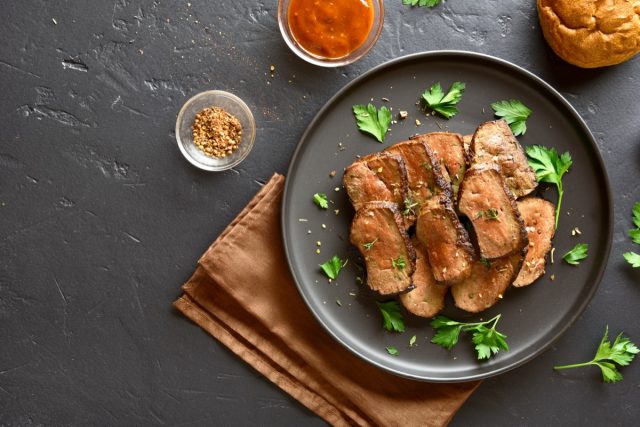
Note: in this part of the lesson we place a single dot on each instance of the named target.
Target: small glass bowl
(232, 105)
(372, 38)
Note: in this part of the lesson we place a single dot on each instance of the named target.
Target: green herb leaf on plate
(412, 341)
(320, 199)
(392, 350)
(444, 104)
(373, 121)
(577, 254)
(515, 113)
(550, 167)
(392, 318)
(488, 341)
(632, 258)
(398, 263)
(332, 267)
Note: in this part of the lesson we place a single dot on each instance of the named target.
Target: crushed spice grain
(216, 132)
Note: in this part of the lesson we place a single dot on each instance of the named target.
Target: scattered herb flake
(550, 167)
(444, 104)
(485, 262)
(398, 263)
(320, 199)
(515, 113)
(373, 121)
(392, 319)
(369, 245)
(332, 267)
(621, 353)
(412, 341)
(392, 350)
(577, 254)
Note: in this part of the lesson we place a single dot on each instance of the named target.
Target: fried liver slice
(449, 148)
(427, 298)
(378, 232)
(493, 142)
(363, 185)
(539, 220)
(446, 241)
(491, 207)
(487, 283)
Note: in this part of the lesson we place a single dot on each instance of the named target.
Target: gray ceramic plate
(532, 317)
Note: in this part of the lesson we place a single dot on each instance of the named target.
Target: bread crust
(591, 33)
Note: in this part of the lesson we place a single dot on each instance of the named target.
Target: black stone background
(102, 219)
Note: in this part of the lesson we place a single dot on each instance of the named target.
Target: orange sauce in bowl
(330, 28)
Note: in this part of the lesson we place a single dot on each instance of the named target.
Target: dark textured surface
(101, 219)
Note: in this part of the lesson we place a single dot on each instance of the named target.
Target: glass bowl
(231, 104)
(376, 29)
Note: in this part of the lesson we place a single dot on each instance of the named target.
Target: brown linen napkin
(243, 294)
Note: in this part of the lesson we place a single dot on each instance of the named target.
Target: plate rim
(554, 93)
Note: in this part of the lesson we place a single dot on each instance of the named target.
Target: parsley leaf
(632, 258)
(621, 353)
(398, 263)
(488, 341)
(577, 254)
(549, 167)
(515, 113)
(320, 199)
(392, 350)
(332, 267)
(635, 235)
(412, 341)
(372, 121)
(443, 104)
(392, 319)
(635, 211)
(421, 3)
(369, 245)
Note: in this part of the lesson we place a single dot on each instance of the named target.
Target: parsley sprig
(632, 257)
(515, 113)
(488, 341)
(444, 104)
(421, 3)
(577, 254)
(550, 167)
(392, 318)
(621, 353)
(332, 267)
(373, 121)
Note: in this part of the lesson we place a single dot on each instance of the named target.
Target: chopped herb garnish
(332, 267)
(412, 341)
(632, 258)
(392, 319)
(421, 3)
(320, 199)
(369, 245)
(515, 113)
(577, 254)
(485, 262)
(392, 350)
(488, 341)
(621, 353)
(550, 167)
(444, 104)
(398, 263)
(372, 121)
(409, 206)
(491, 213)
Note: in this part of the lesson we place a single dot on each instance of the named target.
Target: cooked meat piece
(363, 185)
(487, 283)
(539, 220)
(490, 206)
(390, 169)
(494, 142)
(425, 176)
(446, 241)
(449, 148)
(378, 232)
(427, 299)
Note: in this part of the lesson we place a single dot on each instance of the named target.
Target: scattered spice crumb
(54, 21)
(272, 68)
(332, 174)
(403, 115)
(337, 211)
(318, 243)
(317, 251)
(216, 132)
(308, 231)
(303, 219)
(336, 189)
(418, 123)
(385, 99)
(553, 250)
(339, 303)
(353, 294)
(553, 277)
(324, 225)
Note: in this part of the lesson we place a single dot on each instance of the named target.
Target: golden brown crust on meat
(591, 33)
